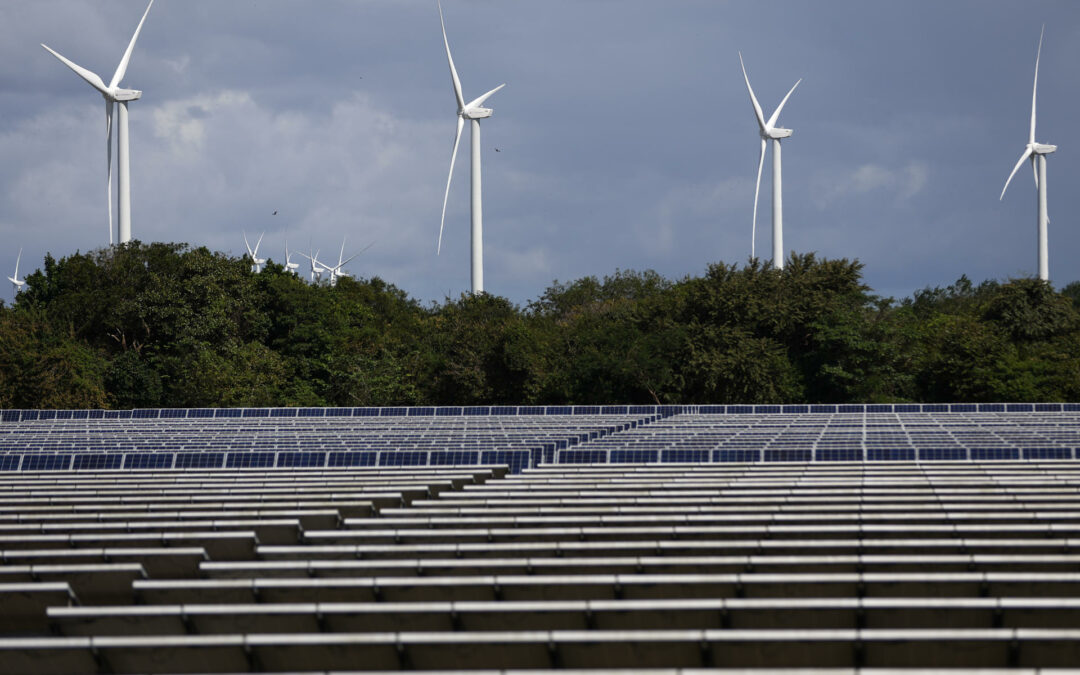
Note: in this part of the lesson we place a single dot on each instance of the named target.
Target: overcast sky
(626, 138)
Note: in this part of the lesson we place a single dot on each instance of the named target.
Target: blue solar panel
(453, 458)
(518, 461)
(681, 456)
(10, 462)
(994, 453)
(839, 455)
(942, 454)
(890, 454)
(352, 459)
(243, 460)
(96, 462)
(403, 458)
(199, 460)
(255, 412)
(736, 456)
(420, 412)
(283, 412)
(476, 410)
(393, 412)
(582, 457)
(448, 411)
(44, 462)
(633, 456)
(1048, 453)
(229, 412)
(148, 460)
(301, 459)
(788, 455)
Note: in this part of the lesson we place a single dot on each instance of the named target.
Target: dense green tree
(143, 325)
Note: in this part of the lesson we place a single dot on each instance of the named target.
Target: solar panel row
(595, 567)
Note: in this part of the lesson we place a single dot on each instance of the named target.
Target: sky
(624, 139)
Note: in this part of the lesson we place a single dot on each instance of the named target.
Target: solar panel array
(616, 566)
(531, 436)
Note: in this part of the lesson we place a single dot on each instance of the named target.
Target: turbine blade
(257, 245)
(753, 99)
(121, 69)
(1027, 153)
(341, 253)
(757, 188)
(88, 75)
(108, 162)
(247, 245)
(17, 259)
(1035, 87)
(1035, 172)
(450, 60)
(479, 101)
(446, 196)
(776, 113)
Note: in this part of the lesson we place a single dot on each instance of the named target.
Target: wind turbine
(289, 265)
(1037, 151)
(114, 94)
(769, 130)
(316, 267)
(16, 282)
(256, 261)
(336, 271)
(473, 111)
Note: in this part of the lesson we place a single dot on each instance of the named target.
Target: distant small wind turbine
(336, 270)
(316, 267)
(290, 266)
(473, 111)
(1038, 151)
(256, 261)
(16, 282)
(114, 94)
(769, 130)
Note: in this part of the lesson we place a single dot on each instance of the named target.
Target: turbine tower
(473, 111)
(769, 130)
(1037, 152)
(114, 94)
(16, 282)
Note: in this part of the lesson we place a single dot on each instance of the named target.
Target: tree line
(168, 325)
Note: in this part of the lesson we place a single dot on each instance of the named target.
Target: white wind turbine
(1037, 151)
(317, 268)
(289, 265)
(16, 282)
(768, 130)
(473, 111)
(336, 270)
(114, 94)
(256, 261)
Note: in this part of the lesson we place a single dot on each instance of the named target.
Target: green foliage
(144, 325)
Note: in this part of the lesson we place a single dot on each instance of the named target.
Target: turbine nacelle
(777, 133)
(1042, 148)
(476, 113)
(125, 95)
